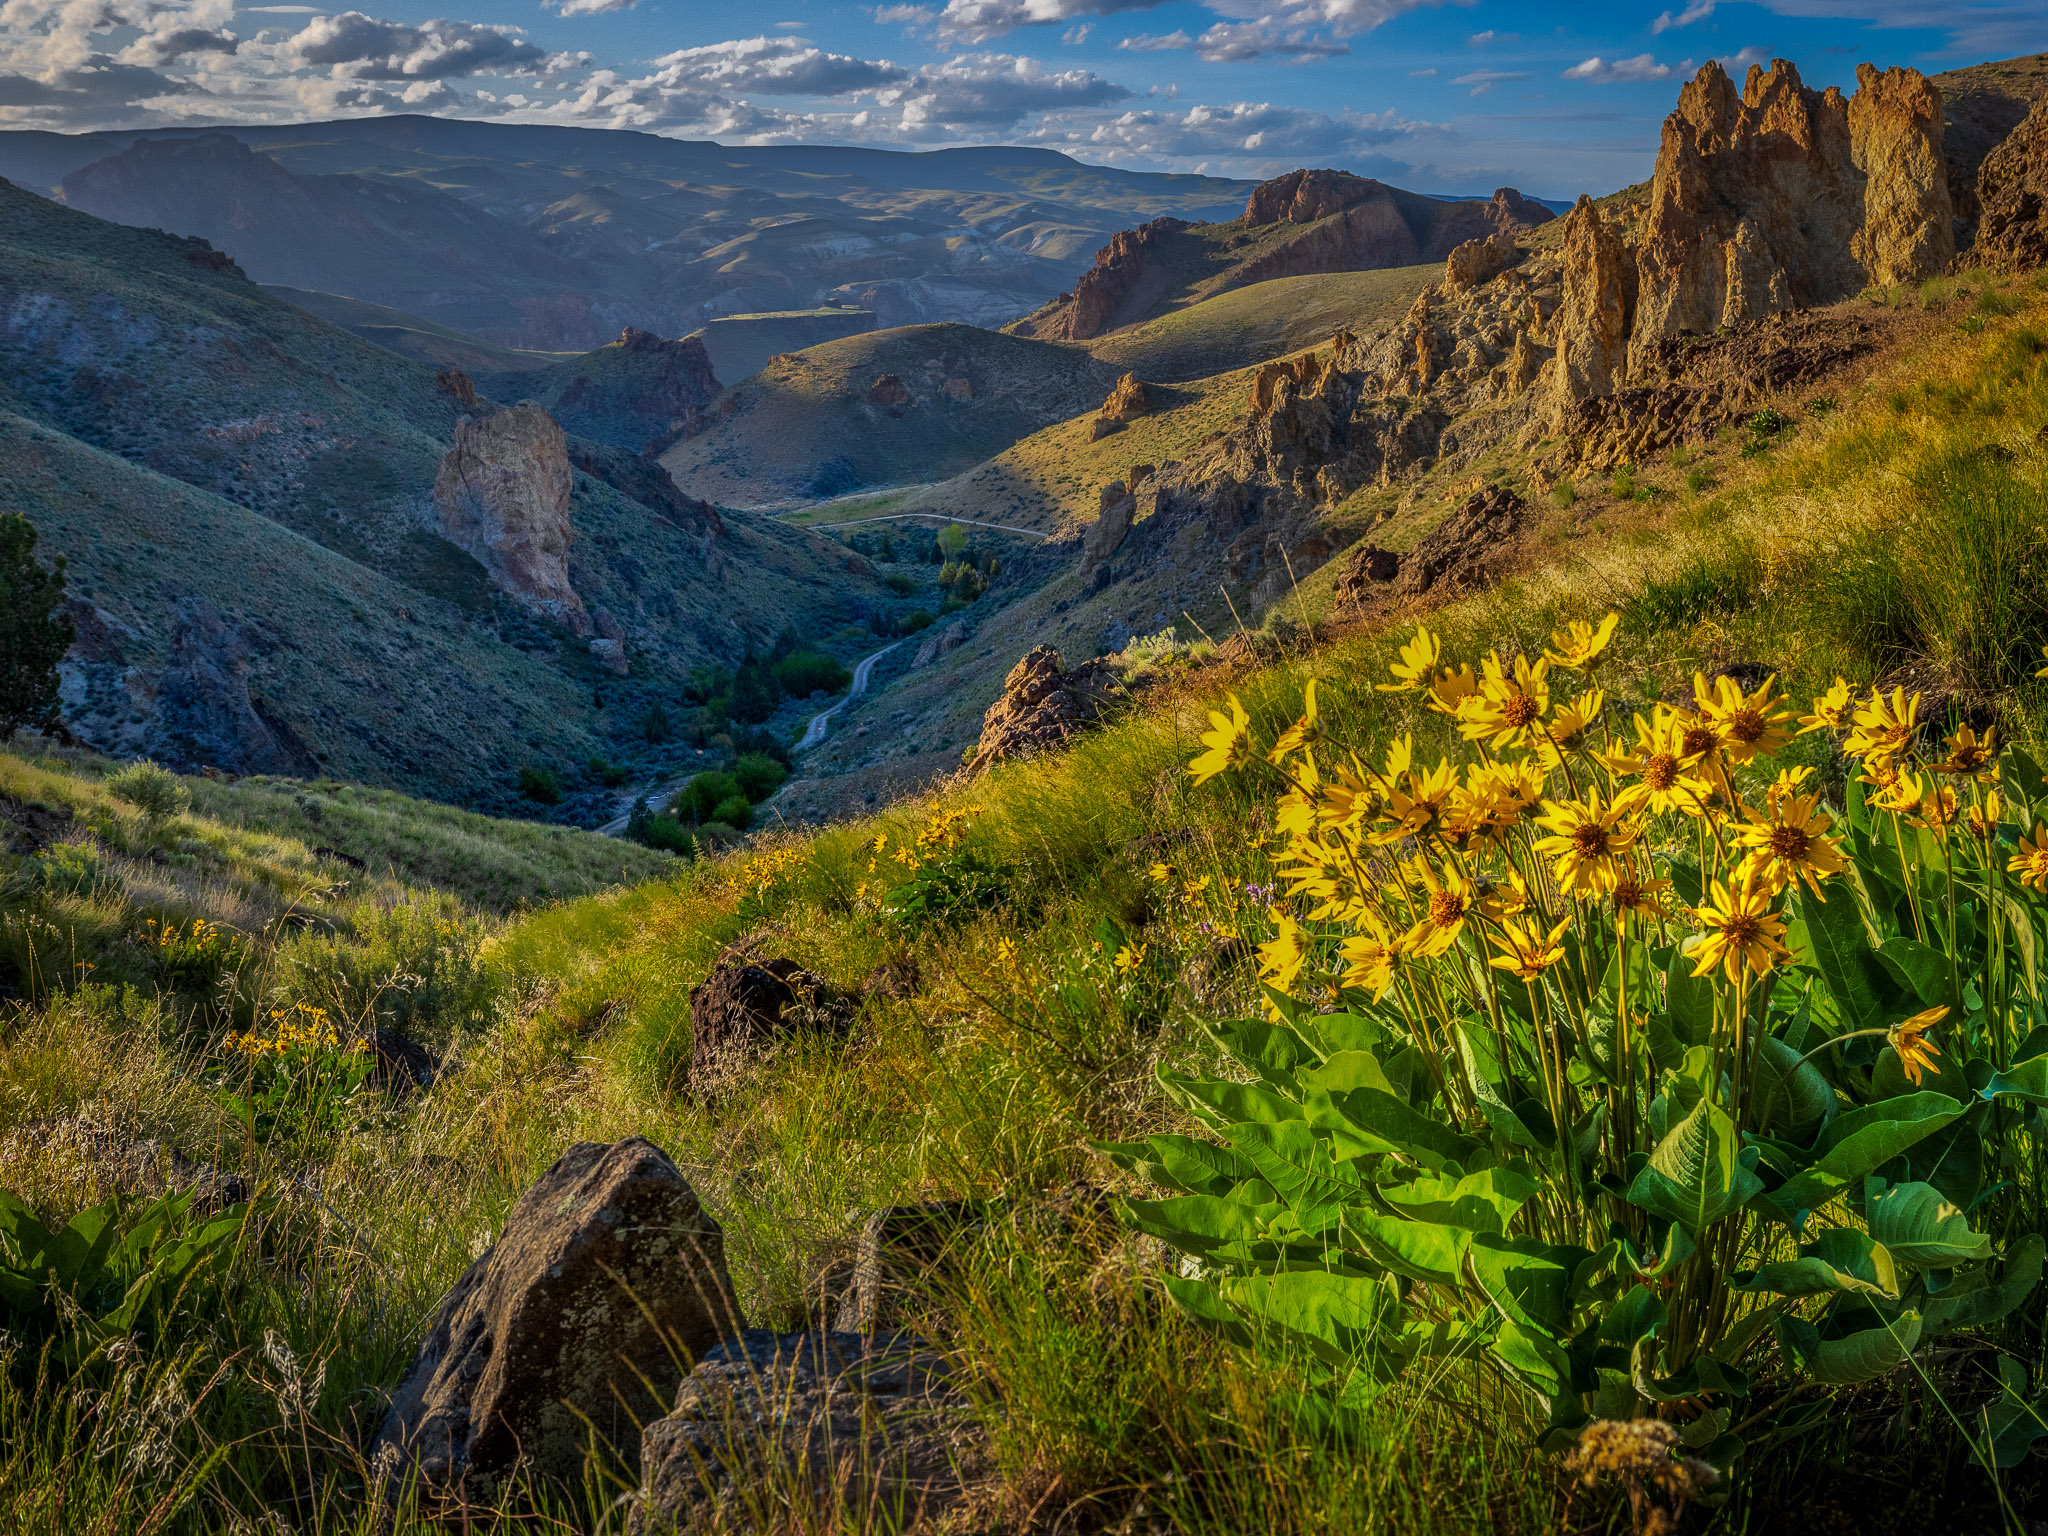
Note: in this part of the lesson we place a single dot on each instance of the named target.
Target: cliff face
(503, 491)
(2012, 189)
(1781, 198)
(1130, 263)
(641, 393)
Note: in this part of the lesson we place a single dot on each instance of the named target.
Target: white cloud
(1420, 74)
(593, 7)
(989, 92)
(1739, 63)
(1248, 138)
(354, 46)
(1484, 80)
(904, 15)
(1698, 10)
(1074, 37)
(1240, 42)
(774, 66)
(1642, 67)
(159, 48)
(1168, 42)
(976, 21)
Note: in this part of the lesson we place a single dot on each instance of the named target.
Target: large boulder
(607, 1270)
(1128, 401)
(811, 1420)
(1479, 261)
(742, 1009)
(2012, 188)
(1042, 705)
(1104, 536)
(503, 492)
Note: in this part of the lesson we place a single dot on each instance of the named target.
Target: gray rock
(608, 1269)
(771, 1422)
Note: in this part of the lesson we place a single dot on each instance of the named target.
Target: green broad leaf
(1340, 1317)
(1669, 1250)
(1334, 1032)
(1952, 1160)
(1529, 1280)
(1374, 1120)
(1918, 966)
(1688, 1003)
(1345, 1070)
(1787, 1092)
(1858, 806)
(1639, 1314)
(1845, 1359)
(1535, 1358)
(1200, 1224)
(1217, 1103)
(1180, 1162)
(1978, 1301)
(1865, 994)
(1888, 1077)
(1422, 1250)
(1274, 1051)
(1299, 1165)
(2008, 1426)
(2022, 776)
(1695, 1176)
(1482, 1072)
(2027, 1080)
(2020, 923)
(1485, 1201)
(1199, 1300)
(1841, 1260)
(1857, 1144)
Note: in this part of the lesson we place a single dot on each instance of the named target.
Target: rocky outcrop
(503, 492)
(1106, 534)
(1783, 198)
(459, 387)
(1128, 401)
(1123, 272)
(206, 716)
(1042, 705)
(938, 643)
(742, 1010)
(607, 1269)
(2012, 193)
(1597, 314)
(888, 393)
(1303, 197)
(837, 1420)
(1478, 261)
(646, 481)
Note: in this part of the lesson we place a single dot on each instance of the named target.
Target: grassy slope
(1889, 534)
(740, 345)
(784, 427)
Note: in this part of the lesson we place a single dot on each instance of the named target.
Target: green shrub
(656, 727)
(803, 673)
(734, 811)
(415, 967)
(611, 775)
(1564, 493)
(1624, 483)
(759, 775)
(1704, 588)
(155, 791)
(899, 583)
(668, 835)
(297, 1083)
(1698, 478)
(915, 620)
(72, 869)
(34, 634)
(1993, 301)
(540, 785)
(705, 793)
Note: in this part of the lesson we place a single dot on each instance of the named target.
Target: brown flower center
(1590, 840)
(1446, 908)
(1747, 725)
(1742, 931)
(1789, 843)
(1519, 710)
(1661, 772)
(1628, 894)
(1698, 739)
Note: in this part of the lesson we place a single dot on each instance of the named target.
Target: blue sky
(1432, 94)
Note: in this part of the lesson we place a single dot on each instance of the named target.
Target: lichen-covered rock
(503, 491)
(2012, 190)
(1128, 401)
(832, 1420)
(607, 1267)
(742, 1009)
(1042, 705)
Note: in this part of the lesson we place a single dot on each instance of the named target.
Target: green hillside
(740, 345)
(807, 427)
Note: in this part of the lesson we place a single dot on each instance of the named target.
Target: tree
(952, 540)
(33, 635)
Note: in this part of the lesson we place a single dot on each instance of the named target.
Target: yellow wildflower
(1371, 955)
(1301, 735)
(1831, 710)
(1282, 957)
(1639, 897)
(1526, 949)
(1451, 689)
(1508, 709)
(1579, 643)
(1663, 764)
(1568, 727)
(2031, 862)
(1750, 725)
(1742, 933)
(1418, 663)
(1909, 1038)
(1970, 755)
(1130, 957)
(1416, 807)
(1983, 819)
(1883, 728)
(1590, 840)
(1790, 844)
(1228, 741)
(1452, 900)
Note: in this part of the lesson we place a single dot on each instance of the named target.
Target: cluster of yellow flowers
(203, 940)
(301, 1030)
(764, 871)
(942, 832)
(1551, 822)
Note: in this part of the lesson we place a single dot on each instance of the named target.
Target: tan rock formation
(1128, 401)
(888, 392)
(2012, 187)
(1112, 524)
(503, 492)
(1478, 261)
(1895, 133)
(1593, 320)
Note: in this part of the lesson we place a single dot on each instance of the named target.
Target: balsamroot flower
(1418, 664)
(2031, 862)
(1666, 768)
(1372, 954)
(1282, 956)
(1579, 644)
(1909, 1038)
(1749, 725)
(1970, 755)
(1790, 844)
(1229, 741)
(1526, 949)
(1641, 898)
(1742, 934)
(1301, 735)
(1883, 728)
(1590, 841)
(1831, 710)
(1509, 707)
(1452, 900)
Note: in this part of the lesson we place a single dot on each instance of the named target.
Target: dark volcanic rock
(206, 716)
(1042, 705)
(607, 1268)
(741, 1010)
(1464, 551)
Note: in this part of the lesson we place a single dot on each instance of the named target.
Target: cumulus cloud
(1698, 10)
(157, 48)
(354, 46)
(1240, 42)
(593, 7)
(985, 92)
(1484, 80)
(1249, 138)
(84, 96)
(1739, 63)
(774, 66)
(976, 21)
(1642, 67)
